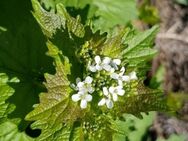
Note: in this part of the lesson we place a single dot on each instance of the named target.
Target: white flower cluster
(110, 93)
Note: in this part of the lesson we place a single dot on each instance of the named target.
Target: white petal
(98, 67)
(107, 67)
(97, 59)
(92, 68)
(109, 104)
(83, 104)
(115, 97)
(76, 97)
(114, 76)
(88, 97)
(105, 91)
(80, 84)
(133, 75)
(117, 61)
(83, 90)
(102, 102)
(106, 60)
(81, 93)
(112, 70)
(120, 82)
(90, 89)
(78, 80)
(122, 70)
(121, 92)
(126, 78)
(119, 87)
(88, 80)
(111, 89)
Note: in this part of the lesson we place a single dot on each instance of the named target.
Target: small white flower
(99, 65)
(83, 88)
(115, 63)
(109, 103)
(84, 97)
(115, 91)
(86, 85)
(106, 64)
(107, 100)
(110, 94)
(120, 77)
(133, 76)
(75, 87)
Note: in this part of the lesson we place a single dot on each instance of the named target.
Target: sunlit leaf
(8, 128)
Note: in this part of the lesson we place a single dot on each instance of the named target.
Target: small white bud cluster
(110, 93)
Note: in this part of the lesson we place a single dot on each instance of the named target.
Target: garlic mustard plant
(109, 65)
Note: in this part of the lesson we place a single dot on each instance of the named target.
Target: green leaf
(110, 13)
(68, 3)
(22, 55)
(73, 25)
(142, 99)
(113, 46)
(5, 92)
(139, 49)
(56, 112)
(9, 130)
(51, 22)
(77, 134)
(75, 3)
(184, 2)
(141, 126)
(140, 41)
(133, 127)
